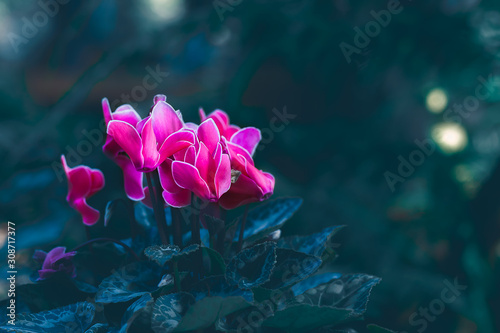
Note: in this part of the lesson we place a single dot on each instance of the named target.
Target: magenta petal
(166, 179)
(179, 199)
(203, 163)
(165, 121)
(159, 97)
(79, 181)
(209, 134)
(132, 178)
(97, 181)
(110, 147)
(106, 110)
(149, 147)
(187, 176)
(90, 215)
(244, 191)
(223, 176)
(54, 255)
(128, 138)
(229, 132)
(235, 150)
(202, 114)
(175, 142)
(127, 114)
(147, 198)
(247, 138)
(190, 155)
(221, 119)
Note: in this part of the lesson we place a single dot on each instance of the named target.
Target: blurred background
(382, 115)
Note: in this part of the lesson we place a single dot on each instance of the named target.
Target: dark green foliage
(174, 289)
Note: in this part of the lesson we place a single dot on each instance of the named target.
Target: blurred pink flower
(83, 182)
(56, 260)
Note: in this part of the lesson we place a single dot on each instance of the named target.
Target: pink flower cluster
(213, 160)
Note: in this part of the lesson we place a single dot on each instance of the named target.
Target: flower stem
(176, 224)
(177, 281)
(221, 233)
(159, 212)
(161, 202)
(242, 229)
(195, 223)
(110, 240)
(134, 227)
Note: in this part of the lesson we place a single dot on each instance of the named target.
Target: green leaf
(168, 311)
(291, 267)
(75, 317)
(218, 286)
(313, 281)
(252, 266)
(128, 282)
(110, 208)
(142, 306)
(208, 310)
(161, 254)
(267, 218)
(101, 328)
(347, 291)
(337, 301)
(314, 244)
(144, 215)
(181, 312)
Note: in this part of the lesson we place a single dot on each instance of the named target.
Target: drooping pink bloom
(249, 184)
(83, 182)
(203, 168)
(132, 178)
(153, 139)
(56, 260)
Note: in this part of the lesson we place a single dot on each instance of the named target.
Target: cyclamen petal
(149, 150)
(90, 215)
(165, 120)
(208, 133)
(83, 182)
(55, 261)
(187, 176)
(179, 199)
(132, 178)
(248, 138)
(174, 143)
(128, 138)
(223, 176)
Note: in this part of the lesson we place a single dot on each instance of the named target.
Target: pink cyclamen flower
(203, 168)
(153, 139)
(250, 184)
(83, 182)
(132, 178)
(221, 119)
(56, 260)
